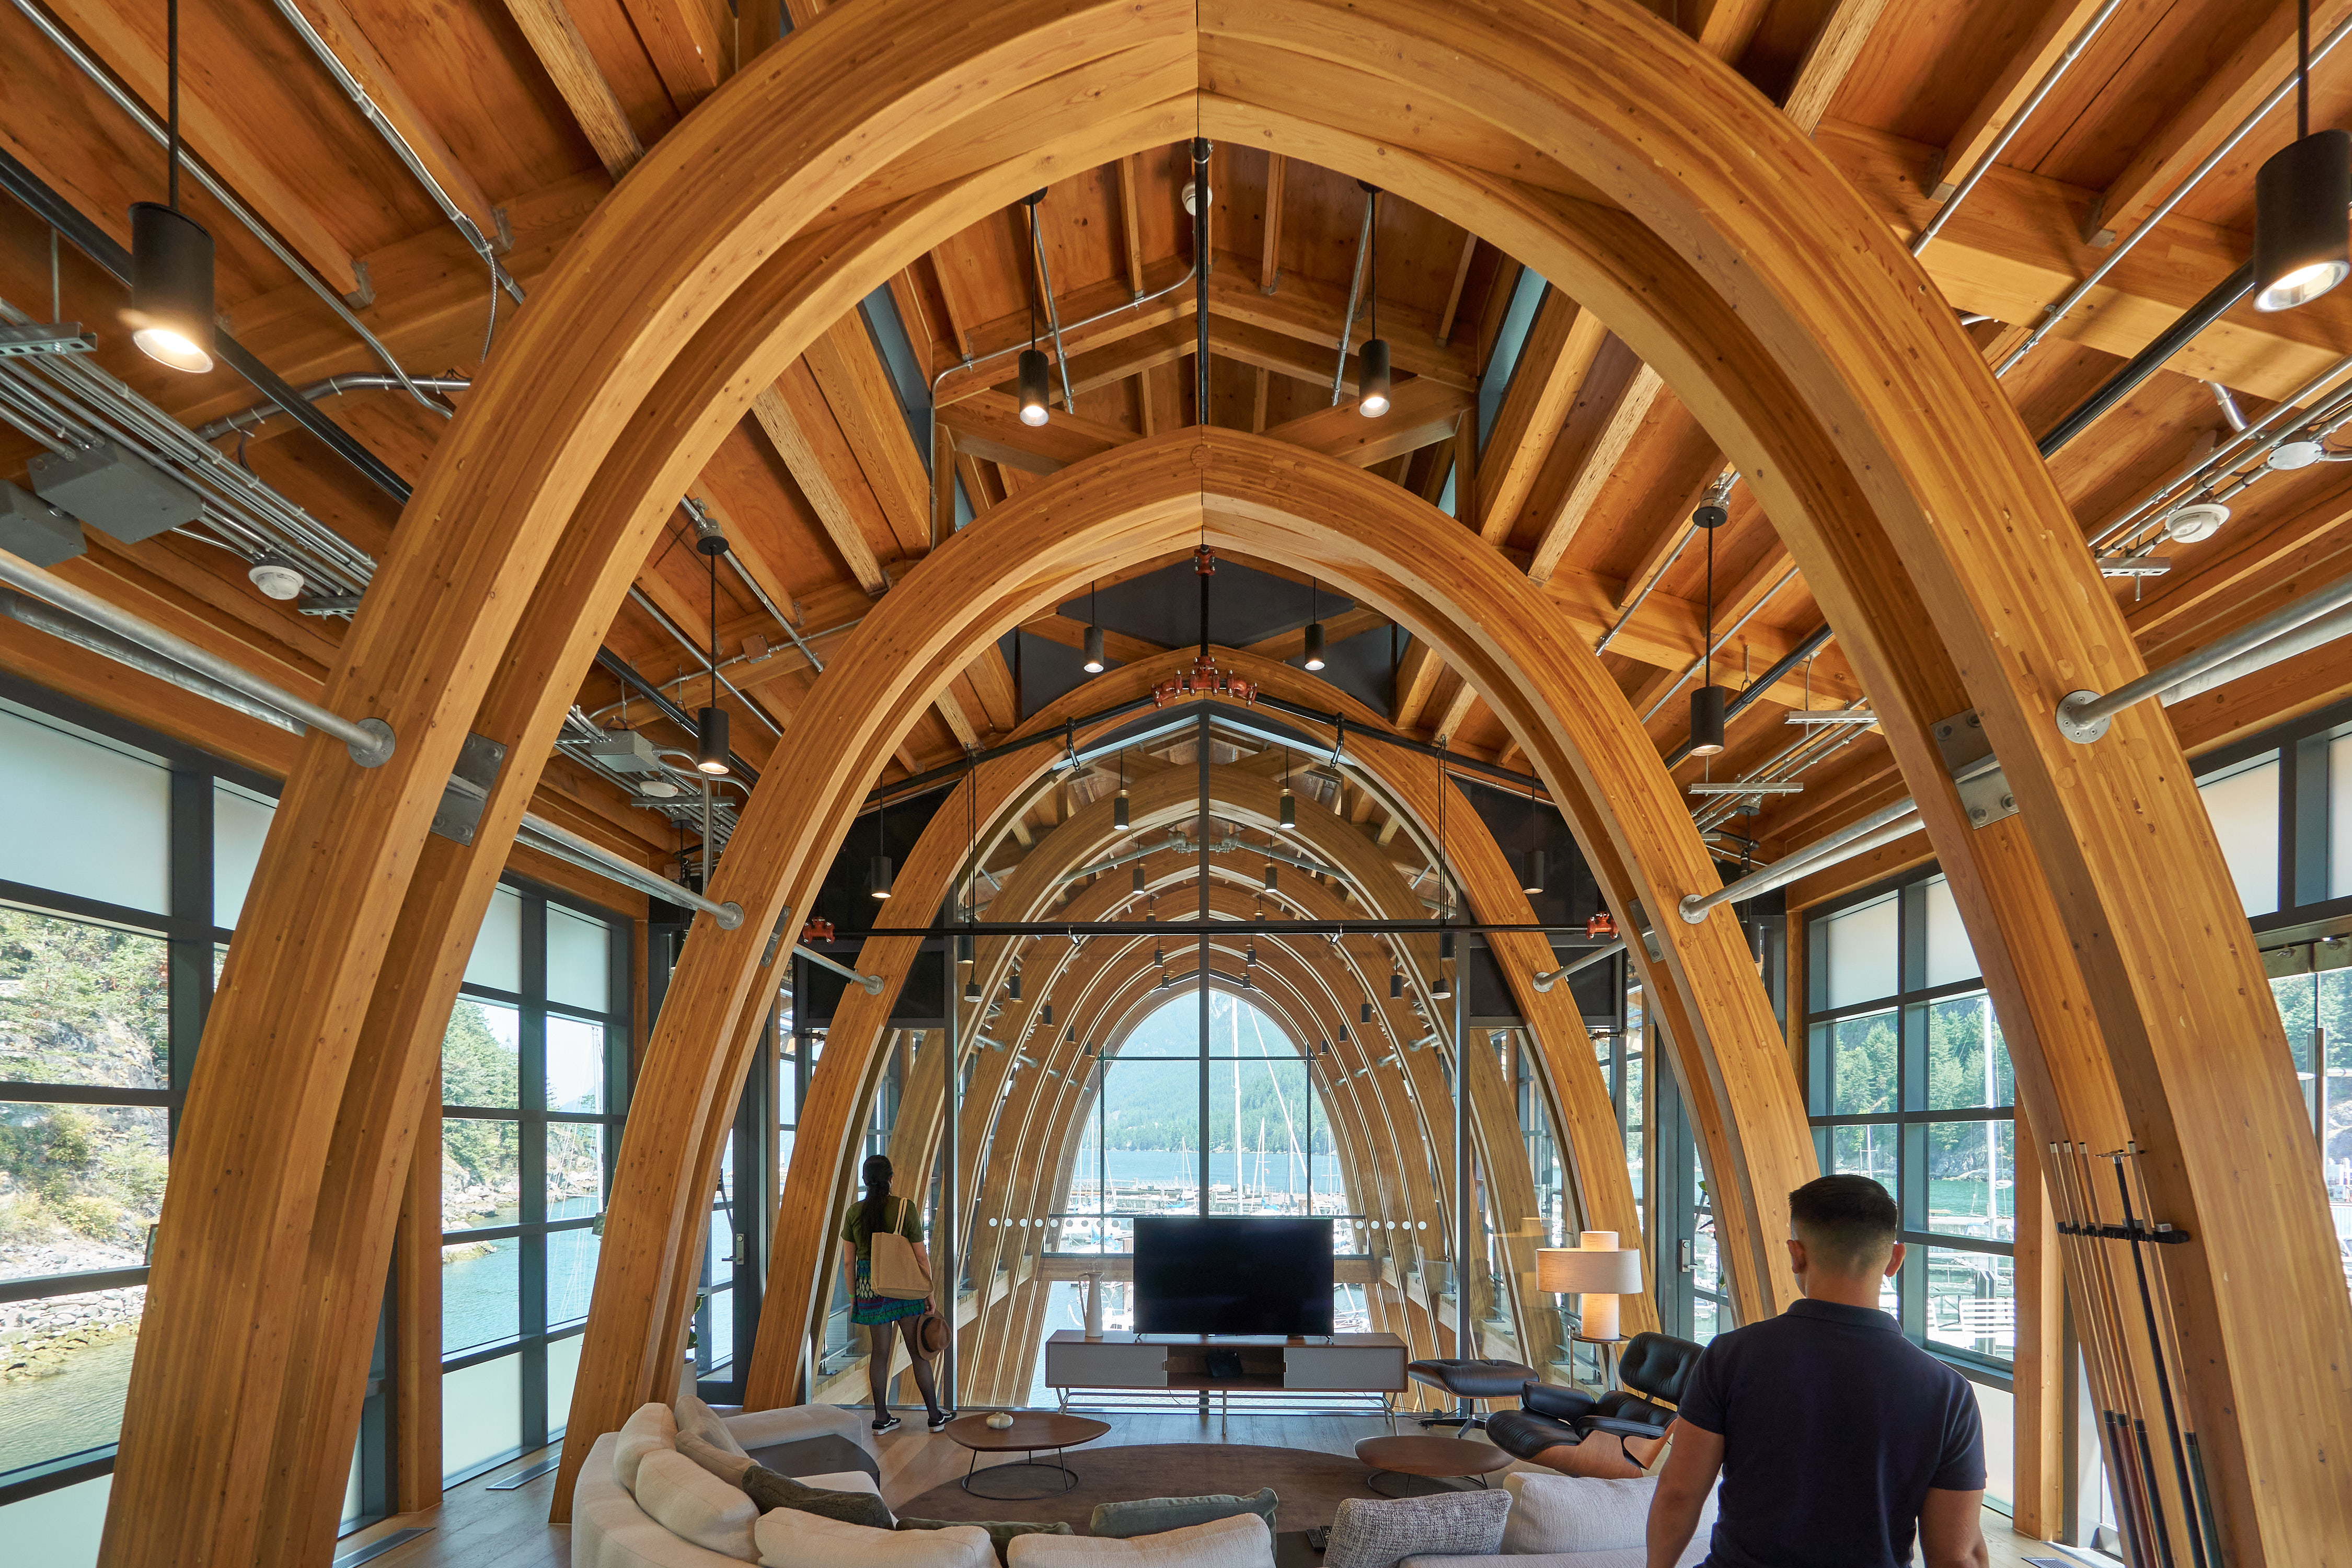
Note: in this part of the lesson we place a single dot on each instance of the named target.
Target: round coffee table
(1430, 1458)
(1032, 1433)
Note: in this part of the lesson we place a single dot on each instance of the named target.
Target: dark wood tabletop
(1031, 1431)
(1423, 1454)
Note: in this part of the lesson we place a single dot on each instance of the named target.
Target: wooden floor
(478, 1527)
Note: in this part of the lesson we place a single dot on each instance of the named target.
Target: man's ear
(1797, 1262)
(1893, 1260)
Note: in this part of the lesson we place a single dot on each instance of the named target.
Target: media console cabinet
(1127, 1365)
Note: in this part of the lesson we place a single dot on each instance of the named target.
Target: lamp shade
(1372, 381)
(1033, 387)
(1314, 659)
(2303, 229)
(1094, 662)
(171, 314)
(1580, 1271)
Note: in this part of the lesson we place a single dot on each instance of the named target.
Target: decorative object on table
(1030, 1433)
(1155, 1516)
(1094, 1306)
(1378, 1534)
(999, 1419)
(1427, 1457)
(1599, 1271)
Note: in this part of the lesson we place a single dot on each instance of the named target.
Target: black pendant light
(1137, 881)
(1367, 1013)
(878, 870)
(1012, 987)
(1118, 816)
(963, 947)
(1396, 985)
(2303, 201)
(1032, 360)
(1270, 875)
(1289, 802)
(1045, 1014)
(1533, 883)
(1094, 664)
(171, 313)
(710, 724)
(1314, 659)
(1707, 701)
(1372, 374)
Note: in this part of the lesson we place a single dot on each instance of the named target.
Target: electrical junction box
(625, 751)
(33, 529)
(115, 492)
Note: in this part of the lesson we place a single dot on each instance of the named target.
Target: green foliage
(82, 1004)
(476, 1069)
(96, 1173)
(1157, 1104)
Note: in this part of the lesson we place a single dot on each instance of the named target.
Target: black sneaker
(940, 1419)
(887, 1424)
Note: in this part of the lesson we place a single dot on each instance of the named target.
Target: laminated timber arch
(1581, 136)
(1587, 1131)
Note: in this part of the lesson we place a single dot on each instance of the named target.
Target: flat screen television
(1238, 1274)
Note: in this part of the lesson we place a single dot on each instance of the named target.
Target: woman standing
(879, 1214)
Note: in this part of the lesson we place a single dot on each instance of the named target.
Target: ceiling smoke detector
(277, 577)
(1190, 198)
(2197, 520)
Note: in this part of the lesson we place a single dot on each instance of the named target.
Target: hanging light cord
(1709, 651)
(2302, 69)
(172, 48)
(1033, 277)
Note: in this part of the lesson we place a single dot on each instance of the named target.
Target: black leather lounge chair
(1652, 1373)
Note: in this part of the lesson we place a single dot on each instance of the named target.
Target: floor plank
(478, 1527)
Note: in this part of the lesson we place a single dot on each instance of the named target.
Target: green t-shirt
(853, 1231)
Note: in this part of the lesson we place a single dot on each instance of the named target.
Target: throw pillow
(1241, 1541)
(1151, 1516)
(790, 1539)
(1366, 1534)
(1000, 1532)
(727, 1467)
(696, 1506)
(772, 1491)
(650, 1428)
(695, 1416)
(1576, 1513)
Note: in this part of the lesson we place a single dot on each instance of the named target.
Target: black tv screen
(1241, 1273)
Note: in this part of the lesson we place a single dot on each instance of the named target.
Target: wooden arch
(1580, 135)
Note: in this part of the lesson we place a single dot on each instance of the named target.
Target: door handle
(1682, 1255)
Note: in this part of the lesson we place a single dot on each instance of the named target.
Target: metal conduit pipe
(45, 617)
(703, 654)
(1053, 312)
(1717, 494)
(398, 143)
(68, 46)
(872, 983)
(2084, 716)
(694, 509)
(1551, 977)
(2049, 82)
(2228, 407)
(371, 740)
(1720, 639)
(2151, 359)
(1355, 297)
(253, 418)
(2053, 314)
(2313, 401)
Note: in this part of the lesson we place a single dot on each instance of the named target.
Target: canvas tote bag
(893, 1270)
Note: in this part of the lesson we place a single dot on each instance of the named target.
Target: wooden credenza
(1338, 1363)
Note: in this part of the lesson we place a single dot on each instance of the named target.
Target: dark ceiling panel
(1246, 605)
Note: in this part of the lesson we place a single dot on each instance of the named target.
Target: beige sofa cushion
(1240, 1542)
(695, 1416)
(695, 1505)
(652, 1428)
(788, 1539)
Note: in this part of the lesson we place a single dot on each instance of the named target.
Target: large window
(1909, 1083)
(534, 1080)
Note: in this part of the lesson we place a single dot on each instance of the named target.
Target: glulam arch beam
(1735, 261)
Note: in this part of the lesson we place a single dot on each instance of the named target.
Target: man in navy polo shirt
(1837, 1438)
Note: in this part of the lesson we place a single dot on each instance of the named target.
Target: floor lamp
(1598, 1270)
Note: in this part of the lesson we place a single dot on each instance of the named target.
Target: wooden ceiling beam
(1287, 645)
(1623, 409)
(1421, 412)
(849, 372)
(1310, 310)
(137, 58)
(1269, 262)
(1830, 59)
(2264, 57)
(1131, 212)
(2011, 250)
(1118, 646)
(1724, 28)
(988, 424)
(548, 28)
(689, 41)
(1446, 318)
(794, 416)
(1553, 364)
(2001, 102)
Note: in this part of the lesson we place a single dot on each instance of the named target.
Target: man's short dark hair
(1849, 1223)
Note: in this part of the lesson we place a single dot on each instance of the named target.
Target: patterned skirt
(869, 1311)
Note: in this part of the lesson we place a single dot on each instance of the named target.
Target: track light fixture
(1094, 664)
(171, 313)
(2302, 202)
(1032, 360)
(1372, 374)
(1706, 710)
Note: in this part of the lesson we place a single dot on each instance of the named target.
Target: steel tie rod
(370, 740)
(2084, 716)
(1879, 827)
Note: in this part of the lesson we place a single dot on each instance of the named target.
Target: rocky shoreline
(38, 1337)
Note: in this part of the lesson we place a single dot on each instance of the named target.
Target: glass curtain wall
(1909, 1083)
(534, 1086)
(124, 863)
